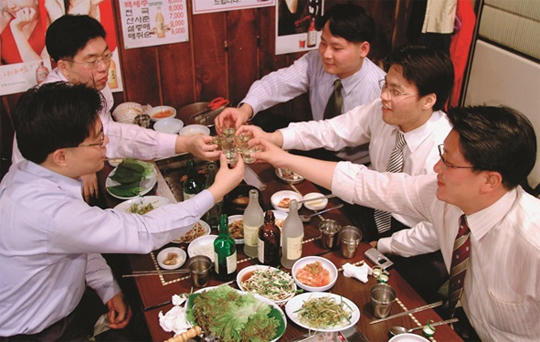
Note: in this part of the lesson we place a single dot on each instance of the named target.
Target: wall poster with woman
(295, 29)
(24, 61)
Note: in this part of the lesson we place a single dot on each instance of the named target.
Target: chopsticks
(418, 309)
(149, 273)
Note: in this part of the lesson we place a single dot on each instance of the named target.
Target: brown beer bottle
(269, 241)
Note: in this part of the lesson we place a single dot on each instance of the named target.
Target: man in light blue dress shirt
(347, 31)
(51, 239)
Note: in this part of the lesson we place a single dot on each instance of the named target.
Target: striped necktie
(335, 102)
(395, 164)
(460, 261)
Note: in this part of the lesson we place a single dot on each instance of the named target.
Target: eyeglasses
(392, 92)
(447, 164)
(100, 144)
(93, 65)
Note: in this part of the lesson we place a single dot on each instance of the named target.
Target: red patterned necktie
(460, 261)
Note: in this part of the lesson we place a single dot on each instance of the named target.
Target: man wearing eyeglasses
(77, 43)
(51, 240)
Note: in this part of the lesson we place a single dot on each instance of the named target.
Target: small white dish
(326, 264)
(114, 162)
(162, 112)
(245, 273)
(170, 125)
(233, 218)
(295, 304)
(164, 254)
(190, 130)
(203, 245)
(317, 204)
(282, 195)
(408, 337)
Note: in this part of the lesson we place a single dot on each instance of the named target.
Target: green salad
(129, 174)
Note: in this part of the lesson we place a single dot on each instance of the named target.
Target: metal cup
(382, 298)
(199, 267)
(329, 233)
(142, 120)
(349, 239)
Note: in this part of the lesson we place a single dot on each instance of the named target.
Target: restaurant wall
(226, 53)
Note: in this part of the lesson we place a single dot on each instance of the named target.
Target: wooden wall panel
(141, 75)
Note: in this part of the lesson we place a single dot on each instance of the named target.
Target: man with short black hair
(51, 240)
(77, 43)
(347, 32)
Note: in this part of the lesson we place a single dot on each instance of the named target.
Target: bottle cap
(383, 277)
(428, 329)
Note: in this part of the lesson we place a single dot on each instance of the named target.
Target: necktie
(460, 261)
(395, 164)
(335, 102)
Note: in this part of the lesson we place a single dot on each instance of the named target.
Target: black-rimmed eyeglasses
(448, 164)
(100, 144)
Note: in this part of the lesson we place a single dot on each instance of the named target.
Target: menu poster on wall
(151, 23)
(208, 6)
(24, 62)
(295, 25)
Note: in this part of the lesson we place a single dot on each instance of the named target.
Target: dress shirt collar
(72, 186)
(483, 221)
(350, 82)
(415, 137)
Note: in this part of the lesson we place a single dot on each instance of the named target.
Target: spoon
(396, 329)
(307, 218)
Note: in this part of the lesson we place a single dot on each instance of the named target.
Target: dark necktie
(335, 102)
(395, 164)
(460, 261)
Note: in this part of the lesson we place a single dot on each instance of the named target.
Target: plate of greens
(233, 315)
(142, 205)
(132, 178)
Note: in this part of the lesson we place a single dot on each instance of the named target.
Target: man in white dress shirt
(51, 240)
(414, 92)
(347, 32)
(488, 153)
(77, 43)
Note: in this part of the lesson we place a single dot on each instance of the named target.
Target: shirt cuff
(383, 245)
(166, 145)
(288, 137)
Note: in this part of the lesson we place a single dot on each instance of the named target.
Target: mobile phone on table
(378, 258)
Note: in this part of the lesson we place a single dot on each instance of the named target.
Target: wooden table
(156, 290)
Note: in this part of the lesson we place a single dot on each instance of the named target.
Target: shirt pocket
(513, 317)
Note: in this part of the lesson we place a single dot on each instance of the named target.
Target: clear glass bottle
(212, 216)
(269, 241)
(224, 252)
(253, 220)
(191, 185)
(293, 235)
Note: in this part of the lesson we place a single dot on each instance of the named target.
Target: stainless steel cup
(382, 298)
(349, 239)
(199, 267)
(329, 233)
(142, 120)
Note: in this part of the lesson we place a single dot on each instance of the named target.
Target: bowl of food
(314, 274)
(203, 245)
(316, 205)
(236, 228)
(199, 229)
(161, 112)
(288, 176)
(171, 258)
(238, 199)
(190, 130)
(282, 199)
(267, 281)
(169, 125)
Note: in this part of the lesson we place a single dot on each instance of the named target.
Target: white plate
(253, 268)
(170, 125)
(158, 109)
(296, 303)
(157, 201)
(203, 245)
(233, 218)
(278, 196)
(262, 299)
(408, 337)
(194, 130)
(180, 260)
(315, 205)
(188, 239)
(146, 184)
